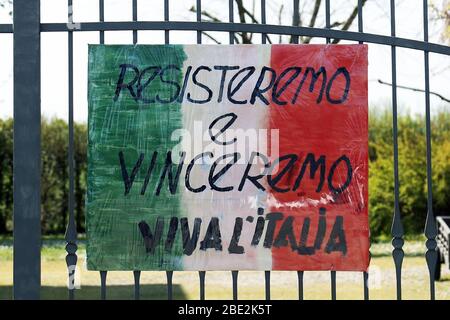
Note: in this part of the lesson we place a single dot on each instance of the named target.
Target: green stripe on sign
(133, 128)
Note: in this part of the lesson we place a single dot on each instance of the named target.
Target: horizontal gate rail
(252, 28)
(238, 27)
(6, 28)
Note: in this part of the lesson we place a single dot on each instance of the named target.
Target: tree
(441, 14)
(6, 4)
(80, 157)
(6, 180)
(54, 177)
(307, 17)
(441, 163)
(412, 171)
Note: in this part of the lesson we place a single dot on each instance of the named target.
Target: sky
(54, 88)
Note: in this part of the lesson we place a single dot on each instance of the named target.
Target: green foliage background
(412, 173)
(54, 177)
(412, 170)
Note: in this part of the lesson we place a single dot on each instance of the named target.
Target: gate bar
(231, 18)
(166, 19)
(397, 226)
(135, 16)
(169, 275)
(27, 150)
(430, 224)
(101, 12)
(263, 20)
(71, 231)
(267, 283)
(327, 18)
(137, 285)
(366, 285)
(296, 19)
(6, 28)
(198, 9)
(234, 275)
(250, 28)
(300, 284)
(361, 30)
(360, 17)
(103, 275)
(202, 275)
(333, 284)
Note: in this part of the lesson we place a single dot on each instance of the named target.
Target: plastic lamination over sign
(243, 157)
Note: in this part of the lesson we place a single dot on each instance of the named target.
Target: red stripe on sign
(319, 104)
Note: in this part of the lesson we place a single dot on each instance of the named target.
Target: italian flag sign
(243, 157)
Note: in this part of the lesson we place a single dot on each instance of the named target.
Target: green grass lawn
(218, 284)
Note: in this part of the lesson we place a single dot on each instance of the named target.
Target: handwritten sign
(244, 157)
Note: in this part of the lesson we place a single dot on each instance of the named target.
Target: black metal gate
(27, 29)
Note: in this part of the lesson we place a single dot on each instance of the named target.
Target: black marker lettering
(212, 237)
(128, 180)
(120, 85)
(234, 246)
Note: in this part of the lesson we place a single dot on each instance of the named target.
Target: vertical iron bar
(169, 275)
(166, 18)
(263, 20)
(430, 224)
(71, 232)
(27, 150)
(103, 275)
(101, 11)
(199, 19)
(300, 284)
(360, 17)
(361, 29)
(231, 18)
(137, 285)
(135, 33)
(234, 276)
(366, 285)
(327, 17)
(333, 285)
(397, 226)
(267, 282)
(296, 18)
(202, 275)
